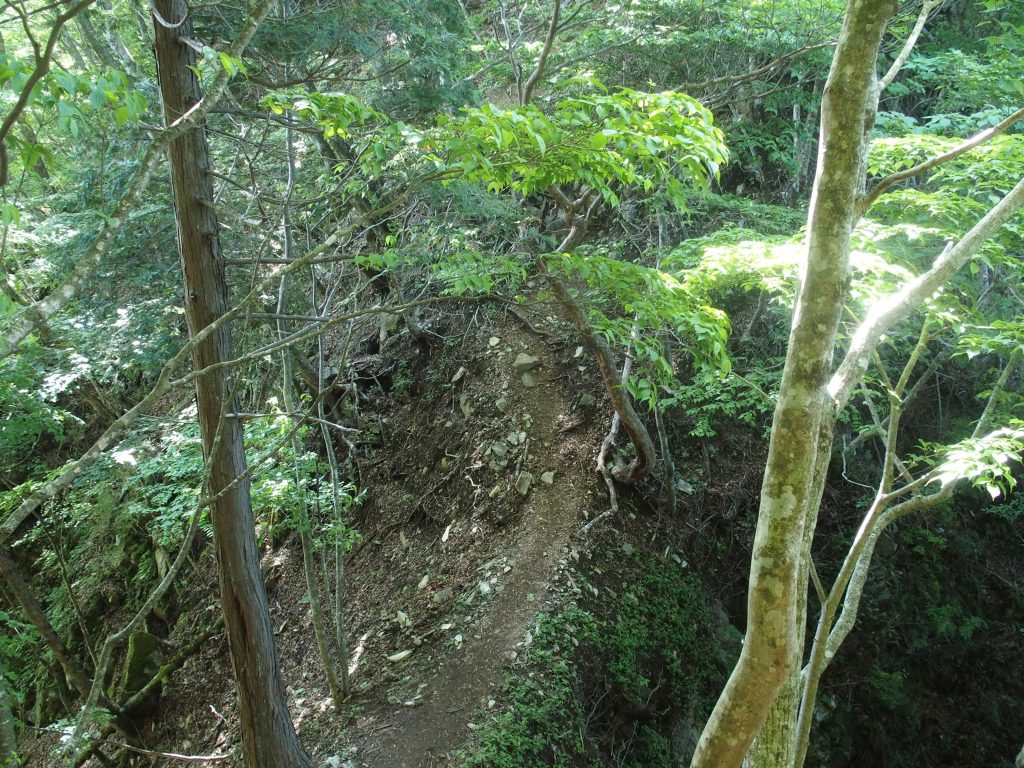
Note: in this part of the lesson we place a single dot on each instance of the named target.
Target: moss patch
(615, 676)
(142, 662)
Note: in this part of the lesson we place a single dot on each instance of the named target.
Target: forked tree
(762, 698)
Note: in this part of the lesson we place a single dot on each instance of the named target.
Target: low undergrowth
(616, 676)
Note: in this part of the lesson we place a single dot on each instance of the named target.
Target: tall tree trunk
(8, 742)
(97, 45)
(268, 736)
(791, 491)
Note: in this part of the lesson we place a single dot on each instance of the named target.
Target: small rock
(587, 400)
(485, 588)
(528, 381)
(548, 478)
(442, 595)
(682, 485)
(500, 450)
(495, 491)
(467, 411)
(493, 341)
(501, 404)
(459, 374)
(579, 352)
(525, 362)
(423, 582)
(523, 483)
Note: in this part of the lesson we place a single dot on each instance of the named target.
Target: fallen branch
(166, 755)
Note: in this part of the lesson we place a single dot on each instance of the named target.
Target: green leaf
(9, 214)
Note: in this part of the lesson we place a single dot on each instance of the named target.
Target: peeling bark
(268, 736)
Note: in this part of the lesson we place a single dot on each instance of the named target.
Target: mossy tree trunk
(268, 736)
(791, 490)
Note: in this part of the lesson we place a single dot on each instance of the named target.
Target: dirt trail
(428, 735)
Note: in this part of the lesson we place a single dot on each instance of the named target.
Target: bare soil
(427, 734)
(455, 564)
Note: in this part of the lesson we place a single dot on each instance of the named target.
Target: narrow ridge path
(428, 736)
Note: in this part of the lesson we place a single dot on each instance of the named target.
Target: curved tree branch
(549, 41)
(755, 73)
(890, 311)
(646, 454)
(926, 9)
(888, 182)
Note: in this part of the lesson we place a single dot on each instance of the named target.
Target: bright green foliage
(75, 98)
(711, 401)
(738, 258)
(990, 169)
(473, 272)
(722, 211)
(979, 80)
(600, 139)
(128, 513)
(371, 135)
(449, 187)
(653, 305)
(18, 641)
(31, 417)
(956, 193)
(1000, 337)
(987, 462)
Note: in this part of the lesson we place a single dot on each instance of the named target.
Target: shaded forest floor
(485, 632)
(479, 472)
